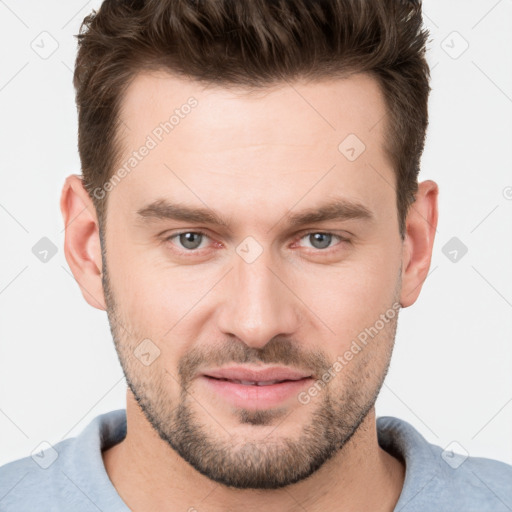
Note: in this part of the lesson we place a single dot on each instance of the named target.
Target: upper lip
(256, 375)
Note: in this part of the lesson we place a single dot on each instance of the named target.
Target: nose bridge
(258, 306)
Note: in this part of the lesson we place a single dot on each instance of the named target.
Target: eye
(320, 240)
(193, 241)
(188, 240)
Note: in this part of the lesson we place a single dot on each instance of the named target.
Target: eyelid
(344, 234)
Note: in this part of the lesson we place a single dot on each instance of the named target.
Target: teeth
(254, 383)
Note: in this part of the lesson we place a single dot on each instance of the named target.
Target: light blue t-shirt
(71, 477)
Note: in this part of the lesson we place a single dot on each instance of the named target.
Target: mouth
(255, 382)
(251, 374)
(253, 389)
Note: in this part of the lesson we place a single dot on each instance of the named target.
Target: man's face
(257, 291)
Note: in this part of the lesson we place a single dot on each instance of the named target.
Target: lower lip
(253, 396)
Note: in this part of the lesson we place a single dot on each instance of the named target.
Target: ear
(421, 224)
(82, 241)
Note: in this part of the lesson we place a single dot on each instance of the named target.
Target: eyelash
(302, 235)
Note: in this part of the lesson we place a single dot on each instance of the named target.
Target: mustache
(278, 351)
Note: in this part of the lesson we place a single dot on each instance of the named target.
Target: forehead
(278, 141)
(344, 105)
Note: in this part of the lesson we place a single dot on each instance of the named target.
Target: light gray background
(451, 375)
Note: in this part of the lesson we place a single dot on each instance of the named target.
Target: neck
(149, 475)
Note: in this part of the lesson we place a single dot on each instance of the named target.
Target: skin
(252, 158)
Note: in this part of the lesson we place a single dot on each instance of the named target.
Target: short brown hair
(253, 44)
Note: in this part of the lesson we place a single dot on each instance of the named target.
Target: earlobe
(421, 225)
(81, 240)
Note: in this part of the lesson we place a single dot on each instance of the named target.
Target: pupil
(187, 240)
(320, 240)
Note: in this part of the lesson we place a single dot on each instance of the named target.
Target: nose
(258, 303)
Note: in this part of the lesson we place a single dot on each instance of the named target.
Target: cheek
(355, 296)
(166, 305)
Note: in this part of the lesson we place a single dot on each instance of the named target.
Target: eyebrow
(340, 209)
